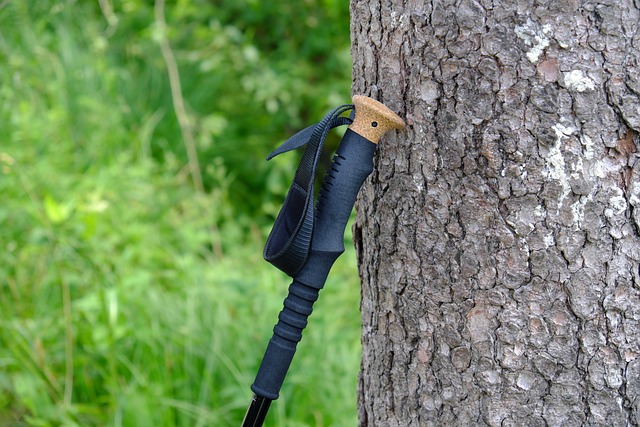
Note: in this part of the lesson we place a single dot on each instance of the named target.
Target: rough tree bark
(499, 238)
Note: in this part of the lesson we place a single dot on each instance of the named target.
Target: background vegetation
(134, 203)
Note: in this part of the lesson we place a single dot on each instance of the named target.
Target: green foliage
(127, 297)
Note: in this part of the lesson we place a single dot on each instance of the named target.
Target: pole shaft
(257, 412)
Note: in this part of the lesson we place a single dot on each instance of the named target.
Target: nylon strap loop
(289, 242)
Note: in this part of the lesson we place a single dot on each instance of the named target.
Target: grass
(141, 327)
(129, 297)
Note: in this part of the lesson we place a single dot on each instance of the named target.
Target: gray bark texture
(499, 236)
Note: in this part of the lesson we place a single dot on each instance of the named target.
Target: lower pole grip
(286, 334)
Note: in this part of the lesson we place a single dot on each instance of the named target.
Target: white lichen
(557, 170)
(556, 166)
(577, 168)
(535, 37)
(587, 144)
(577, 209)
(549, 240)
(578, 81)
(618, 203)
(634, 194)
(605, 167)
(562, 130)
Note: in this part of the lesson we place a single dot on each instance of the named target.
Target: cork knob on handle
(373, 119)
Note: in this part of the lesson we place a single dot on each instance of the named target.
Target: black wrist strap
(288, 244)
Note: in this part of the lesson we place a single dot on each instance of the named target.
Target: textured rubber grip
(286, 334)
(352, 163)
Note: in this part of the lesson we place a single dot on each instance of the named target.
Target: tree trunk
(499, 236)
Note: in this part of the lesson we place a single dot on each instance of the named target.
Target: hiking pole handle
(352, 164)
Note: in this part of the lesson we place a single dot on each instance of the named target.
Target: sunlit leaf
(56, 212)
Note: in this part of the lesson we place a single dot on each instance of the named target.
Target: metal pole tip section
(257, 412)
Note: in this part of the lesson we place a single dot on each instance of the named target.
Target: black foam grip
(351, 165)
(286, 334)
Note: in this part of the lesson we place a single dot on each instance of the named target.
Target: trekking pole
(305, 241)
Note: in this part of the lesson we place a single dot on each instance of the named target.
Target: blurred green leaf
(56, 212)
